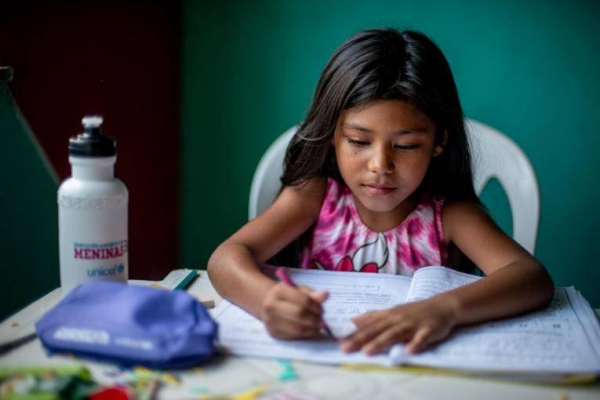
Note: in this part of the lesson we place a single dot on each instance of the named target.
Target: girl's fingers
(366, 318)
(387, 338)
(362, 335)
(416, 324)
(293, 313)
(419, 341)
(301, 297)
(290, 313)
(377, 337)
(317, 296)
(300, 315)
(283, 327)
(286, 329)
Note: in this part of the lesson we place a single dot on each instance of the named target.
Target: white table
(235, 377)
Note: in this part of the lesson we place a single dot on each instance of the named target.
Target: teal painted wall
(29, 229)
(530, 69)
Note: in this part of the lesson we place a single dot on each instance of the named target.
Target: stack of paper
(563, 338)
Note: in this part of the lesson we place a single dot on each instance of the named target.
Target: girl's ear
(439, 148)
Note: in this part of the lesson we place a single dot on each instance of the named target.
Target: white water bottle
(92, 212)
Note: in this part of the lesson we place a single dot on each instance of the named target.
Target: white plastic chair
(266, 181)
(494, 156)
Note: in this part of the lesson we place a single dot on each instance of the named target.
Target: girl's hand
(417, 324)
(292, 313)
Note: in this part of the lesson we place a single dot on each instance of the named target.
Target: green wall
(530, 69)
(29, 227)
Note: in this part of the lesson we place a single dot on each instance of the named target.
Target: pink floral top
(341, 242)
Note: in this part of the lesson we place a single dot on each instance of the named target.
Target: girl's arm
(234, 266)
(515, 283)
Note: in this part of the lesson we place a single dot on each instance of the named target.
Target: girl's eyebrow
(357, 127)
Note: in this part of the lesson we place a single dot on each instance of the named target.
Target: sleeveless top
(341, 242)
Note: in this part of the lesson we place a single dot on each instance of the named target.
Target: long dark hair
(385, 64)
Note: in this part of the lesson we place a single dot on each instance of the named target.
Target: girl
(378, 179)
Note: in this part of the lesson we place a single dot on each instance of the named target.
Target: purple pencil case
(130, 325)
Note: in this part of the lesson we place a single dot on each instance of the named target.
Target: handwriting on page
(353, 294)
(345, 305)
(350, 294)
(562, 338)
(536, 340)
(432, 281)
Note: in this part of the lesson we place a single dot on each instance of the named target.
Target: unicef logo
(115, 270)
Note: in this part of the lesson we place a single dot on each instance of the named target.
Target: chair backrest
(266, 181)
(494, 156)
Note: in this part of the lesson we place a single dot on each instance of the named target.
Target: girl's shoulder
(460, 214)
(315, 187)
(461, 209)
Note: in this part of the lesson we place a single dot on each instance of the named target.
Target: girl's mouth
(378, 190)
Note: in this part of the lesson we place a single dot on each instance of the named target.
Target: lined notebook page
(562, 337)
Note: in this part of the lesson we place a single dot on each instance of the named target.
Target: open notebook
(563, 338)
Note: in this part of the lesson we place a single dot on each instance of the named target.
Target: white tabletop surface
(252, 378)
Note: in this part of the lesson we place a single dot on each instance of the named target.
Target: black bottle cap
(92, 143)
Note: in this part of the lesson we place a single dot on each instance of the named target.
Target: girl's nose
(381, 161)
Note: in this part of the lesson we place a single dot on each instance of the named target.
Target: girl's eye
(358, 142)
(406, 147)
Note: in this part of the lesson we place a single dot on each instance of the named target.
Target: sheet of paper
(562, 338)
(350, 294)
(353, 293)
(430, 281)
(559, 338)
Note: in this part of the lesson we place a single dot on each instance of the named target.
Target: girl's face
(383, 150)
